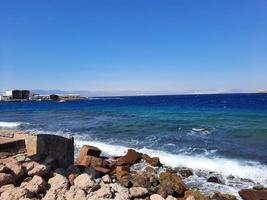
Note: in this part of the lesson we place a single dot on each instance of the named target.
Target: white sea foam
(223, 166)
(11, 124)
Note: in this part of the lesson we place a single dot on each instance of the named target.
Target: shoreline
(134, 166)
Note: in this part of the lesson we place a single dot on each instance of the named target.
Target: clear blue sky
(142, 45)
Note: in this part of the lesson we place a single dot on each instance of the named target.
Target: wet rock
(138, 192)
(251, 194)
(16, 170)
(259, 187)
(214, 179)
(75, 193)
(88, 150)
(185, 172)
(106, 179)
(171, 184)
(39, 170)
(222, 196)
(6, 179)
(84, 181)
(156, 197)
(194, 195)
(58, 182)
(130, 158)
(155, 162)
(16, 193)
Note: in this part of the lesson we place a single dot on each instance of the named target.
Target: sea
(223, 135)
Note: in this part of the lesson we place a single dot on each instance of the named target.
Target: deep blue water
(237, 123)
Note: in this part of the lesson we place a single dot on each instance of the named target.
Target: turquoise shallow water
(235, 141)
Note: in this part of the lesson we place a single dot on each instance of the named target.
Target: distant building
(16, 95)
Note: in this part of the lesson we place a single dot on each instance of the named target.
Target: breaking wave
(11, 124)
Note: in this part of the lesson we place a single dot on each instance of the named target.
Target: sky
(160, 46)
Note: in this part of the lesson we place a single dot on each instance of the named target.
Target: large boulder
(5, 188)
(155, 162)
(171, 184)
(84, 181)
(6, 179)
(252, 194)
(88, 150)
(130, 158)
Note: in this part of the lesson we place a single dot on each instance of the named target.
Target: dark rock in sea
(259, 187)
(155, 162)
(130, 158)
(185, 172)
(222, 196)
(251, 194)
(214, 179)
(171, 184)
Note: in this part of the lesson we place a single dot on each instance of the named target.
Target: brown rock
(194, 195)
(88, 150)
(91, 161)
(155, 162)
(6, 179)
(6, 187)
(58, 183)
(125, 181)
(3, 168)
(222, 196)
(130, 158)
(122, 171)
(171, 184)
(250, 194)
(16, 170)
(138, 192)
(75, 193)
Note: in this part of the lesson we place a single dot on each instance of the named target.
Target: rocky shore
(91, 176)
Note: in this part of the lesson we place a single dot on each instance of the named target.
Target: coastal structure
(26, 95)
(16, 95)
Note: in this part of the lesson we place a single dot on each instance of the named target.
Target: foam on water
(224, 166)
(11, 124)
